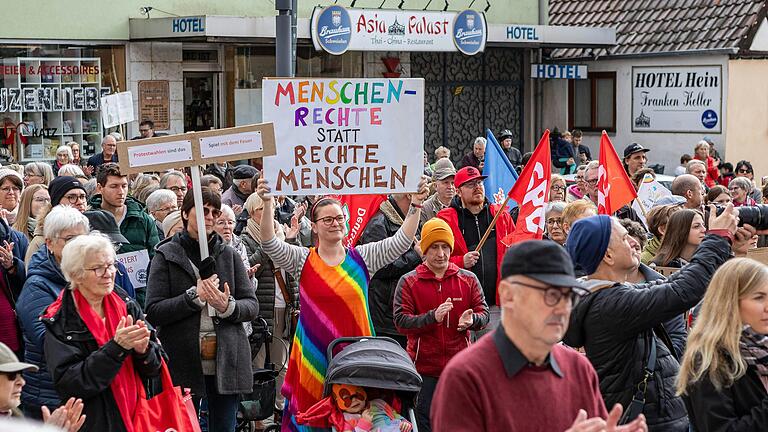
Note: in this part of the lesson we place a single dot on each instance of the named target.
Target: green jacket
(650, 250)
(137, 226)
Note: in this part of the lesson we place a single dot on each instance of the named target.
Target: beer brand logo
(469, 33)
(709, 119)
(333, 30)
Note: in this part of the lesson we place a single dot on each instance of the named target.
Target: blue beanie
(588, 241)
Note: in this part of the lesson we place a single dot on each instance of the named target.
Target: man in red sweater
(435, 307)
(519, 378)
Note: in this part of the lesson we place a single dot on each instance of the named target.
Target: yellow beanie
(435, 230)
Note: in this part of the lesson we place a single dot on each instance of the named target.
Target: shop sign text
(188, 25)
(558, 71)
(50, 99)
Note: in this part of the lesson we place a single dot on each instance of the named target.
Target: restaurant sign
(336, 30)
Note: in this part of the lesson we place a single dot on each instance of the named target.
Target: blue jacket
(44, 283)
(20, 244)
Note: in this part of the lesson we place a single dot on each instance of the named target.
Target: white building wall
(666, 148)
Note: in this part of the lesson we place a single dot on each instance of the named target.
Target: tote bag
(168, 411)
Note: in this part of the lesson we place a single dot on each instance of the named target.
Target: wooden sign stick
(493, 223)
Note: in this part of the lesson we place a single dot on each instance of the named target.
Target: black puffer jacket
(381, 290)
(265, 289)
(612, 324)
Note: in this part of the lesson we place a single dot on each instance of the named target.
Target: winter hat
(170, 221)
(60, 186)
(588, 241)
(12, 175)
(435, 230)
(244, 172)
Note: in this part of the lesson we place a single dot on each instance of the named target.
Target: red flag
(531, 191)
(358, 210)
(614, 189)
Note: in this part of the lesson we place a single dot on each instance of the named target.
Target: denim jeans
(222, 409)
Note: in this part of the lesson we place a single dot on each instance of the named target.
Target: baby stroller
(260, 403)
(375, 362)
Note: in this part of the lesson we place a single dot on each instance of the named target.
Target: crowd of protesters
(584, 318)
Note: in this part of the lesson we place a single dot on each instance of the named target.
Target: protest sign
(345, 136)
(136, 264)
(650, 191)
(117, 109)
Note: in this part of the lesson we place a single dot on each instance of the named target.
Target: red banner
(358, 210)
(531, 190)
(614, 189)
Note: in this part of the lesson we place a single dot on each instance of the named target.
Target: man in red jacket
(435, 307)
(469, 216)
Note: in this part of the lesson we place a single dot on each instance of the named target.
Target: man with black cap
(241, 187)
(620, 324)
(512, 378)
(442, 178)
(513, 153)
(469, 216)
(635, 158)
(436, 305)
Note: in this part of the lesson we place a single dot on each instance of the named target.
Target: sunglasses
(11, 375)
(744, 171)
(209, 211)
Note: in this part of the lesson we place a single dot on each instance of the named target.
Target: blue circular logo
(333, 30)
(469, 33)
(709, 119)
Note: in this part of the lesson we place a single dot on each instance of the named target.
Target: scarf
(31, 225)
(239, 194)
(754, 350)
(254, 230)
(125, 385)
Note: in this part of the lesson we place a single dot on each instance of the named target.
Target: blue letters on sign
(522, 33)
(188, 25)
(558, 71)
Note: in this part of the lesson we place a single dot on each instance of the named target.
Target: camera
(757, 215)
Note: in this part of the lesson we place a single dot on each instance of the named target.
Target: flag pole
(642, 207)
(493, 223)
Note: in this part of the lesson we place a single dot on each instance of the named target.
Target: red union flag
(614, 189)
(531, 190)
(358, 210)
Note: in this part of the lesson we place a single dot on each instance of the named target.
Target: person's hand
(727, 220)
(128, 334)
(417, 248)
(67, 417)
(88, 170)
(215, 298)
(465, 320)
(263, 190)
(480, 166)
(570, 161)
(443, 310)
(6, 255)
(367, 416)
(743, 240)
(423, 192)
(405, 426)
(237, 209)
(293, 231)
(470, 259)
(612, 422)
(203, 286)
(140, 346)
(583, 424)
(583, 157)
(253, 269)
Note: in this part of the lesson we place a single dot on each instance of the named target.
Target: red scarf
(125, 384)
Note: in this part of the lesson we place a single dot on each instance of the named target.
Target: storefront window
(249, 64)
(50, 95)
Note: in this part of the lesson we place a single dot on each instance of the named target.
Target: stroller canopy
(374, 362)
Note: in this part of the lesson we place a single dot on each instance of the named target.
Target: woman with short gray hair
(37, 173)
(64, 156)
(554, 222)
(160, 204)
(740, 188)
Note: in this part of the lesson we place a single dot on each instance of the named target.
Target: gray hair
(65, 149)
(557, 206)
(42, 169)
(62, 218)
(78, 250)
(108, 138)
(480, 140)
(169, 174)
(742, 182)
(693, 162)
(117, 136)
(71, 170)
(90, 187)
(159, 198)
(225, 209)
(210, 178)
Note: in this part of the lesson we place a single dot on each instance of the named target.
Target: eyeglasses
(555, 221)
(41, 199)
(67, 238)
(592, 182)
(553, 295)
(32, 175)
(558, 188)
(744, 171)
(472, 184)
(103, 270)
(207, 211)
(329, 220)
(225, 222)
(167, 209)
(73, 199)
(579, 178)
(11, 375)
(176, 189)
(734, 188)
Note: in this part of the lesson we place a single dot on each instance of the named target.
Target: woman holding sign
(332, 279)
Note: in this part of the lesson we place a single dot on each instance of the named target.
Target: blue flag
(501, 174)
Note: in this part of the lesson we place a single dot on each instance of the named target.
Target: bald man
(689, 187)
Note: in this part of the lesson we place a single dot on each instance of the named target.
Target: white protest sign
(650, 191)
(160, 153)
(225, 145)
(117, 109)
(136, 264)
(345, 136)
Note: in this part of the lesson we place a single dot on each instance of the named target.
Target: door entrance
(201, 101)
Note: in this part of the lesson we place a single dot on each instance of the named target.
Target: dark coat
(137, 226)
(265, 289)
(177, 316)
(612, 325)
(82, 369)
(381, 289)
(741, 407)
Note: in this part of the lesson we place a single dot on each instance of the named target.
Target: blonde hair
(575, 209)
(25, 208)
(713, 344)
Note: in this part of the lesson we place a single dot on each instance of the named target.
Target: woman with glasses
(37, 173)
(199, 307)
(701, 152)
(744, 169)
(44, 284)
(723, 376)
(740, 188)
(578, 190)
(34, 199)
(64, 156)
(97, 345)
(556, 188)
(554, 222)
(333, 288)
(11, 185)
(76, 159)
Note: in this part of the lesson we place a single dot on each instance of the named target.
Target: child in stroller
(366, 385)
